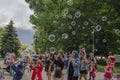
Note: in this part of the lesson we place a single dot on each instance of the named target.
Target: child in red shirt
(37, 70)
(92, 71)
(108, 70)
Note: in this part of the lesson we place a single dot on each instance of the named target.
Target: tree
(9, 40)
(73, 21)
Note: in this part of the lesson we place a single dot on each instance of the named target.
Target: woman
(83, 68)
(60, 60)
(73, 66)
(49, 67)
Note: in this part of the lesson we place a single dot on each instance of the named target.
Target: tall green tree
(10, 40)
(73, 21)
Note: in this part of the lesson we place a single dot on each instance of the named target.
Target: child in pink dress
(108, 70)
(92, 71)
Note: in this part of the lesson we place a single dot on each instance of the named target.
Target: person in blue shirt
(73, 66)
(19, 71)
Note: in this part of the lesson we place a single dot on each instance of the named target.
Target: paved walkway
(27, 75)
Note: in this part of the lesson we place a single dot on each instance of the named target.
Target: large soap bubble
(73, 23)
(70, 2)
(77, 14)
(51, 37)
(98, 28)
(104, 18)
(65, 11)
(64, 35)
(73, 32)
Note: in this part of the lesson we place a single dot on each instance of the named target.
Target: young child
(19, 71)
(108, 70)
(58, 74)
(37, 70)
(92, 71)
(1, 73)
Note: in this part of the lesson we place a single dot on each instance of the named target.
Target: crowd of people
(78, 65)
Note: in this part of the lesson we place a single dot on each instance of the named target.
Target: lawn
(102, 66)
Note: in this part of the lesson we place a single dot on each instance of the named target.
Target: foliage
(78, 19)
(9, 40)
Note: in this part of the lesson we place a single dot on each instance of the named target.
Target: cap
(20, 66)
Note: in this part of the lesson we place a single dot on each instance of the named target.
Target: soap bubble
(44, 40)
(52, 49)
(77, 14)
(70, 27)
(70, 2)
(104, 40)
(73, 32)
(62, 24)
(98, 28)
(64, 35)
(85, 23)
(65, 11)
(117, 32)
(56, 16)
(78, 25)
(104, 18)
(51, 37)
(69, 16)
(63, 15)
(73, 23)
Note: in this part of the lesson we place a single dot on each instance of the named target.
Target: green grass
(116, 69)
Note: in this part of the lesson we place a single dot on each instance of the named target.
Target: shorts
(83, 72)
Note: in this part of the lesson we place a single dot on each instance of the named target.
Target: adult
(60, 60)
(73, 66)
(12, 61)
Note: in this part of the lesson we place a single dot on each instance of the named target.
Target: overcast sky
(19, 12)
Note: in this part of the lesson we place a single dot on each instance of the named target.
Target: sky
(19, 12)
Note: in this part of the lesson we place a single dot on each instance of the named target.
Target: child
(1, 73)
(58, 74)
(37, 70)
(19, 71)
(92, 71)
(108, 70)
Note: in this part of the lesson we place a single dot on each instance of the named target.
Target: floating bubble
(70, 2)
(73, 23)
(56, 16)
(104, 40)
(98, 28)
(73, 32)
(51, 37)
(54, 22)
(63, 15)
(78, 25)
(64, 35)
(85, 23)
(52, 49)
(117, 32)
(44, 40)
(77, 14)
(70, 27)
(69, 16)
(83, 27)
(104, 18)
(65, 11)
(62, 24)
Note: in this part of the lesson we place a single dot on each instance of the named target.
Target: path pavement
(27, 75)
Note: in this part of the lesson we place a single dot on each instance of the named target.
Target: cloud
(19, 12)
